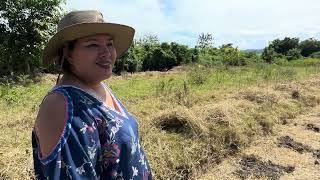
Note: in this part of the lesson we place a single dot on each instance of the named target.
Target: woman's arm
(50, 122)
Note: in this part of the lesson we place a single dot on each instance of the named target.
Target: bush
(305, 62)
(315, 55)
(309, 46)
(269, 55)
(161, 60)
(281, 61)
(294, 54)
(181, 52)
(210, 58)
(198, 75)
(284, 45)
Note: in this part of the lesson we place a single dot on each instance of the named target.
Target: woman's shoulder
(51, 121)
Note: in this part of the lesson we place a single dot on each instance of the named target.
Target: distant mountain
(258, 51)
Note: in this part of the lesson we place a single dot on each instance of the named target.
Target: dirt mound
(177, 122)
(288, 142)
(253, 166)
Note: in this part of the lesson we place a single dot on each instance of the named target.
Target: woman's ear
(67, 55)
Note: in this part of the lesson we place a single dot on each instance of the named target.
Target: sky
(247, 24)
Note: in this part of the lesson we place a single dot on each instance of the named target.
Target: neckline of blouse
(122, 113)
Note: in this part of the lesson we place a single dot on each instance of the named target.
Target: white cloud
(246, 23)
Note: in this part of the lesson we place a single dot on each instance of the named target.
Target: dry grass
(185, 128)
(266, 149)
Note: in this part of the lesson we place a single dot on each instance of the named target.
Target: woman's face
(93, 57)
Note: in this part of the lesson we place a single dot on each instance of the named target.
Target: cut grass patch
(185, 127)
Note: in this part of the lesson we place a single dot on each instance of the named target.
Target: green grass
(188, 120)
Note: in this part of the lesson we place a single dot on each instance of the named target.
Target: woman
(82, 130)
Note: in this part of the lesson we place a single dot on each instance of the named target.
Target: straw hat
(77, 24)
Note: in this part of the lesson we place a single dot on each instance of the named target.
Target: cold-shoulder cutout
(51, 124)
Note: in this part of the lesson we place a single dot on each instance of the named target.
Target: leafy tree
(315, 55)
(205, 41)
(181, 52)
(231, 55)
(194, 55)
(269, 54)
(161, 58)
(294, 54)
(149, 40)
(283, 46)
(309, 46)
(25, 26)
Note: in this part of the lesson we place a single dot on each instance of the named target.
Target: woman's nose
(105, 51)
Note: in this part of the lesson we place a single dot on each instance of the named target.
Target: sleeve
(69, 159)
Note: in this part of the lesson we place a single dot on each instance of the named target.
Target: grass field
(189, 118)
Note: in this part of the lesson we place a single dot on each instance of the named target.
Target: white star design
(135, 171)
(141, 159)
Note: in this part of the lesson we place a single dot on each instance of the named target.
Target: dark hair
(66, 65)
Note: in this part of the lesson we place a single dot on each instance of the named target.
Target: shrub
(315, 54)
(294, 54)
(198, 75)
(269, 55)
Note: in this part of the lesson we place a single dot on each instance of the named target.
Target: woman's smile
(105, 65)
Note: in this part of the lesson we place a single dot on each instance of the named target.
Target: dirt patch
(177, 122)
(295, 94)
(312, 127)
(288, 142)
(173, 124)
(253, 166)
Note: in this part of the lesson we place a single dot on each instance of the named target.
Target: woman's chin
(108, 74)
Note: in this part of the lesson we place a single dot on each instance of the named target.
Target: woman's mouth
(105, 65)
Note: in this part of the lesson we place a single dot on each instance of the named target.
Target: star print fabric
(97, 142)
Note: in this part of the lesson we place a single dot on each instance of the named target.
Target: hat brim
(122, 37)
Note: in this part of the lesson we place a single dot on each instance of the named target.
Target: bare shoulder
(50, 122)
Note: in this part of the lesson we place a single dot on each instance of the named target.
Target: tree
(205, 40)
(309, 46)
(231, 56)
(294, 54)
(315, 55)
(283, 46)
(181, 52)
(25, 26)
(149, 39)
(161, 58)
(194, 55)
(269, 54)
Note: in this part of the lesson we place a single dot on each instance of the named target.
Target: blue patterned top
(97, 142)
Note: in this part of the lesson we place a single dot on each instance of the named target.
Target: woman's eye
(110, 44)
(92, 45)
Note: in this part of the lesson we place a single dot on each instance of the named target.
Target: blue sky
(248, 24)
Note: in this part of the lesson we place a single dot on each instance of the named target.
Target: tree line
(26, 25)
(291, 49)
(148, 54)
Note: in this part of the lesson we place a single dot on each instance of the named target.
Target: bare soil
(291, 152)
(252, 165)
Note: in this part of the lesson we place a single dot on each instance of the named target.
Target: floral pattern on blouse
(97, 142)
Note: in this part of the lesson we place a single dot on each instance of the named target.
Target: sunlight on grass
(188, 119)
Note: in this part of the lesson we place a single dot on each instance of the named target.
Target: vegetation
(25, 26)
(206, 102)
(189, 118)
(291, 49)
